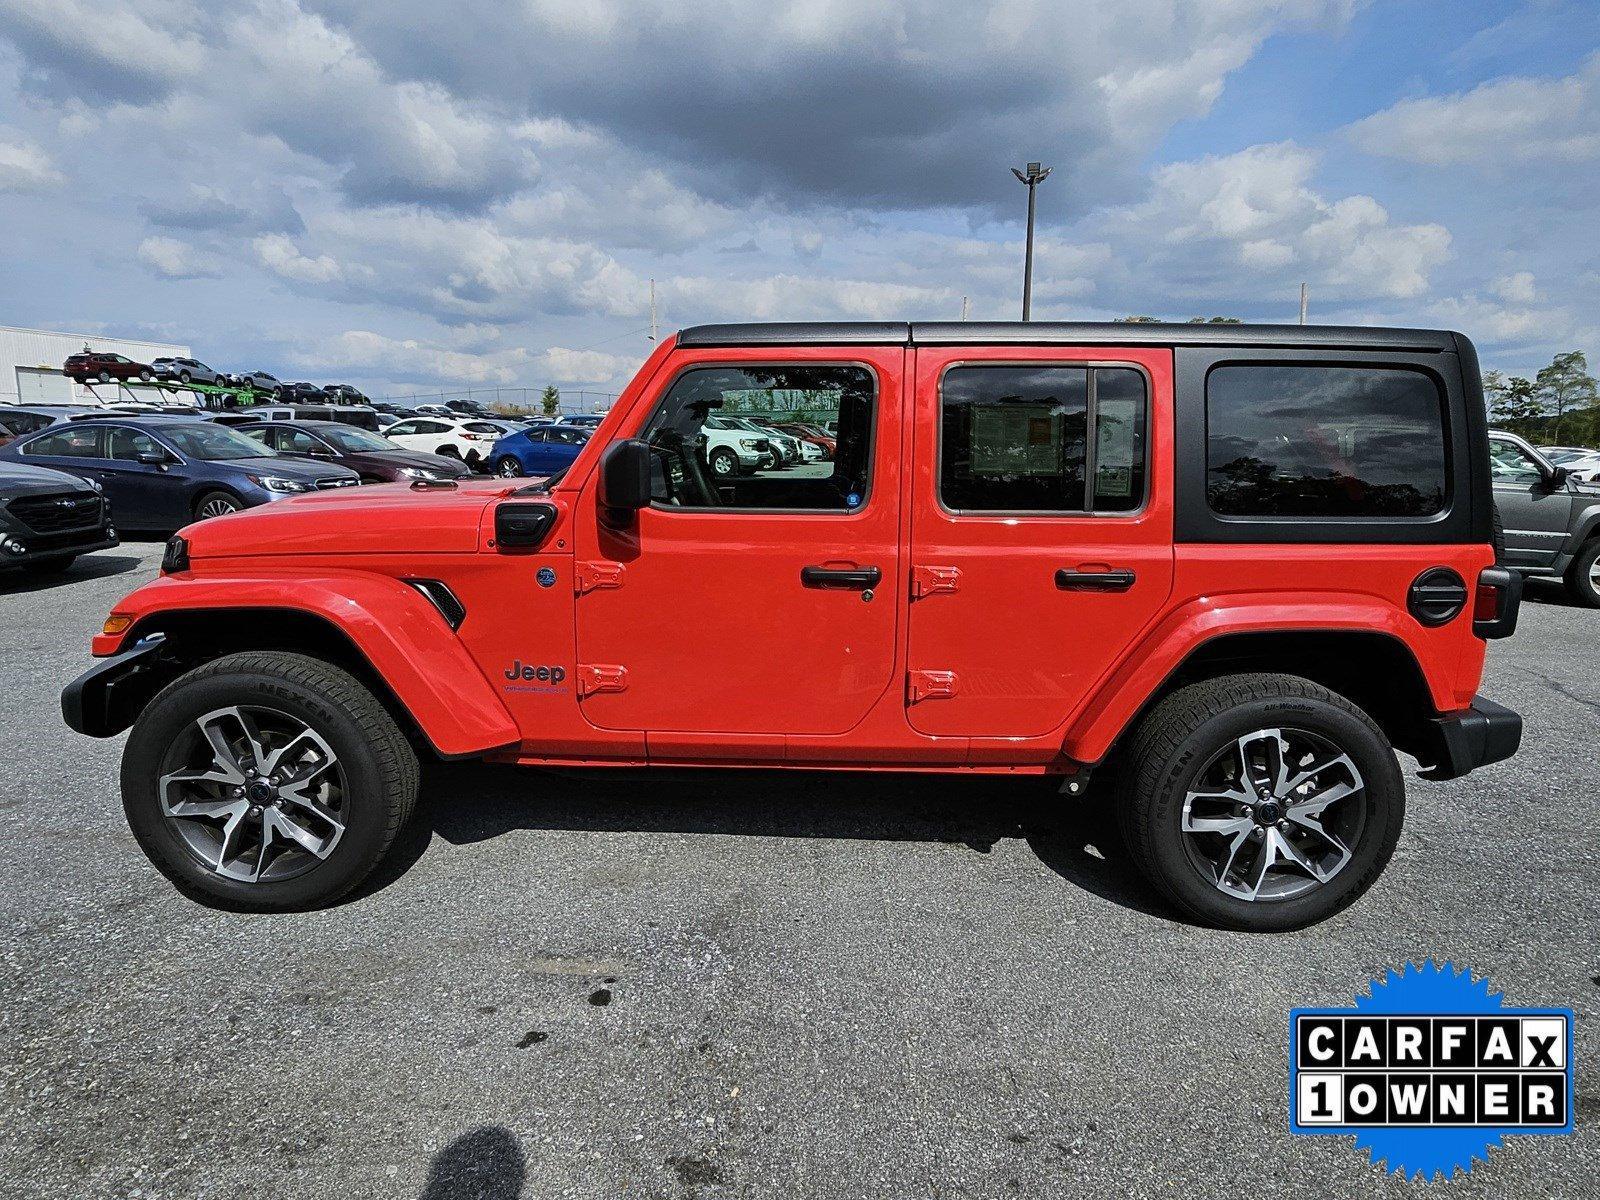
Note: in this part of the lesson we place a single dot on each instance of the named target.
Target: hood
(378, 518)
(21, 479)
(301, 469)
(445, 468)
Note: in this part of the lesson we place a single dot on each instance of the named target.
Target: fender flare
(403, 638)
(1121, 694)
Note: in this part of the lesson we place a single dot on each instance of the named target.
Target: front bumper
(39, 547)
(1483, 734)
(103, 700)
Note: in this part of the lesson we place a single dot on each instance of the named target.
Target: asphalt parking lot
(740, 984)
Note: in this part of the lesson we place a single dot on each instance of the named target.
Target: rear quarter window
(1329, 441)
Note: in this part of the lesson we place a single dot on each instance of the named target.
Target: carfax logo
(1430, 1070)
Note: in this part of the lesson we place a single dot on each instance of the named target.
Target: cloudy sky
(419, 194)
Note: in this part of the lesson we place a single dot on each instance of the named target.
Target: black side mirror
(625, 476)
(153, 458)
(1558, 478)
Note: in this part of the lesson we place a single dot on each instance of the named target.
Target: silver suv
(1551, 520)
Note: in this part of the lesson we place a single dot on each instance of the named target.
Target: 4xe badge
(1430, 1070)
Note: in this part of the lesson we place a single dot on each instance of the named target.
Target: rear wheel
(1261, 802)
(1583, 576)
(267, 781)
(216, 504)
(104, 377)
(507, 467)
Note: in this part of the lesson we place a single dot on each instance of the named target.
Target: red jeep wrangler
(1243, 563)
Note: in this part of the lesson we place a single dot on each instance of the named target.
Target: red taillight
(1486, 605)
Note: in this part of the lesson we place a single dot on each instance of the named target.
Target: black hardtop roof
(1065, 333)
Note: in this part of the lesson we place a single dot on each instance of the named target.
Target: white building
(30, 364)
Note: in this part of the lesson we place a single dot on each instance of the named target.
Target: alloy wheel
(218, 506)
(254, 794)
(509, 468)
(1274, 814)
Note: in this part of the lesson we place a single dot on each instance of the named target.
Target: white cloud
(563, 366)
(1514, 120)
(1251, 222)
(278, 253)
(1517, 288)
(24, 167)
(173, 259)
(361, 350)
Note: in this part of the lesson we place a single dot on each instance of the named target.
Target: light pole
(1035, 176)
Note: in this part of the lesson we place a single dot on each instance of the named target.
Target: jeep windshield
(214, 443)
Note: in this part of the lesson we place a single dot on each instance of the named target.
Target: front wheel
(145, 376)
(507, 467)
(1583, 576)
(267, 781)
(216, 504)
(1261, 802)
(724, 463)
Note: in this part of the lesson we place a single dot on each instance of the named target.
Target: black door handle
(856, 578)
(1117, 580)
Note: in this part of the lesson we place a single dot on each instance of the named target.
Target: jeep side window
(1020, 437)
(714, 448)
(1510, 463)
(1304, 440)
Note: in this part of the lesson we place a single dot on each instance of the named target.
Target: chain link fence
(510, 399)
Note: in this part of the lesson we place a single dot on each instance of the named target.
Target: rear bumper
(1483, 734)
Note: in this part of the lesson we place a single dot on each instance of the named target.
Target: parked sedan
(542, 450)
(48, 518)
(103, 368)
(471, 441)
(828, 444)
(373, 457)
(185, 370)
(162, 472)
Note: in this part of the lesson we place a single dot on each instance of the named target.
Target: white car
(785, 449)
(1585, 469)
(469, 440)
(731, 450)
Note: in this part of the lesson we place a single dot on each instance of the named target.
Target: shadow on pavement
(1549, 591)
(90, 566)
(464, 803)
(482, 1164)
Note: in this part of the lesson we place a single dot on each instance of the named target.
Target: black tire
(1171, 748)
(145, 376)
(50, 566)
(183, 377)
(382, 774)
(1583, 577)
(507, 467)
(724, 463)
(214, 499)
(104, 377)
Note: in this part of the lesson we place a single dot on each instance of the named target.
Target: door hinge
(588, 576)
(930, 685)
(601, 677)
(927, 580)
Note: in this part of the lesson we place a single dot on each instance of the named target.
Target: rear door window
(75, 441)
(1042, 438)
(1310, 440)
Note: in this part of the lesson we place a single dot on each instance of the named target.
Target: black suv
(48, 518)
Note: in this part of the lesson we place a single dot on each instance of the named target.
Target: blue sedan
(164, 472)
(542, 450)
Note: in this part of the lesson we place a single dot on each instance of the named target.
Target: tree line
(1559, 406)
